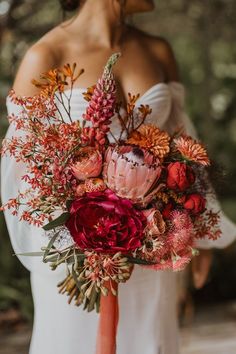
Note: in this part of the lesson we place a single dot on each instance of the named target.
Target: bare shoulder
(163, 53)
(39, 58)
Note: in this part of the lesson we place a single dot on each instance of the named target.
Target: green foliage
(57, 222)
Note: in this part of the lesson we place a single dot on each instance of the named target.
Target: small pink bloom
(181, 233)
(171, 262)
(164, 264)
(181, 262)
(80, 190)
(88, 163)
(94, 185)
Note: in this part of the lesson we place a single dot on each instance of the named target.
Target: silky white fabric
(147, 301)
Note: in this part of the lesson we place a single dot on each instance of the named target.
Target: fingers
(200, 268)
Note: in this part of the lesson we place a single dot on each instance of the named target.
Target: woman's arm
(25, 238)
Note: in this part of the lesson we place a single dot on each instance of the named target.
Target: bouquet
(107, 202)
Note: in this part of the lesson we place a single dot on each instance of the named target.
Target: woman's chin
(140, 6)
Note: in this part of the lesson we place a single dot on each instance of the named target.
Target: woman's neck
(99, 22)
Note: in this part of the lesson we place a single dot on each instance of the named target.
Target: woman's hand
(201, 265)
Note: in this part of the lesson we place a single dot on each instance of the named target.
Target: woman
(147, 302)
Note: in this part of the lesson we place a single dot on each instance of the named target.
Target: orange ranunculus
(195, 203)
(179, 176)
(88, 163)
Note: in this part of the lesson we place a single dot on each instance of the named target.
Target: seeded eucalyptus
(88, 273)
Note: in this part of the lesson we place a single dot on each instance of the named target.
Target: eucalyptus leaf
(77, 282)
(92, 301)
(68, 203)
(52, 258)
(80, 259)
(98, 302)
(30, 254)
(61, 220)
(86, 301)
(49, 246)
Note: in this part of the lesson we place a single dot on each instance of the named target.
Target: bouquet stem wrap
(108, 322)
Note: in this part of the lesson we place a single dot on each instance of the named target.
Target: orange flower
(69, 72)
(132, 99)
(151, 138)
(145, 110)
(56, 80)
(89, 93)
(192, 150)
(51, 82)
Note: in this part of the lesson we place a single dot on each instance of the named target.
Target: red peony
(195, 203)
(103, 222)
(179, 176)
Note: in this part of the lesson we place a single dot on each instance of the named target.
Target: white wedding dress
(148, 321)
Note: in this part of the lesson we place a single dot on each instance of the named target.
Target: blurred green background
(202, 34)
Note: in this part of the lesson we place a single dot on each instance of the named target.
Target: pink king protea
(131, 173)
(180, 236)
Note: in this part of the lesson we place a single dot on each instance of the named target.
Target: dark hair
(69, 5)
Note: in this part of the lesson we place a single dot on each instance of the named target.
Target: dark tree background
(202, 34)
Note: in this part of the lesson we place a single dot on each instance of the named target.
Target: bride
(148, 323)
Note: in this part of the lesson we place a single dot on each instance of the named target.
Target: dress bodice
(160, 98)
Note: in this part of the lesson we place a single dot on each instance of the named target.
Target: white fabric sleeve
(178, 117)
(24, 237)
